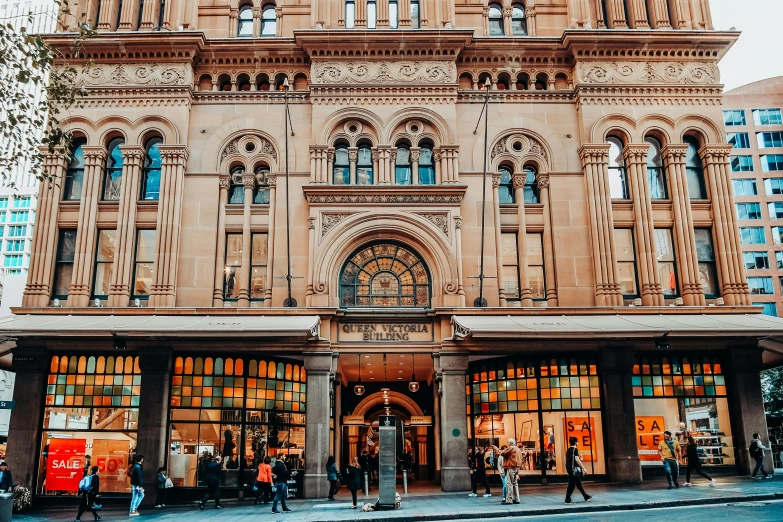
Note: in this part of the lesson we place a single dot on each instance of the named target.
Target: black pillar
(31, 365)
(622, 454)
(743, 366)
(152, 441)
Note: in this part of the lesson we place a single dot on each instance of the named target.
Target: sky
(758, 54)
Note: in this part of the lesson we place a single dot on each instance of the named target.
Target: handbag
(168, 484)
(96, 507)
(578, 473)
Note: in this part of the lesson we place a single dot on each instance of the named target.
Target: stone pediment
(384, 72)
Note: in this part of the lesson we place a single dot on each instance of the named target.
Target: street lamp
(480, 301)
(413, 386)
(290, 302)
(359, 388)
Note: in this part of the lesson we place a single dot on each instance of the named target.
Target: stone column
(507, 29)
(404, 13)
(707, 15)
(270, 248)
(149, 15)
(742, 366)
(549, 245)
(423, 18)
(361, 13)
(108, 14)
(659, 14)
(129, 15)
(595, 161)
(329, 164)
(382, 10)
(436, 422)
(310, 260)
(279, 20)
(79, 293)
(220, 250)
(445, 174)
(615, 10)
(684, 237)
(601, 23)
(384, 152)
(314, 174)
(257, 14)
(436, 163)
(498, 231)
(455, 165)
(31, 365)
(622, 454)
(415, 165)
(375, 173)
(353, 156)
(526, 298)
(455, 474)
(172, 180)
(248, 181)
(530, 15)
(637, 12)
(119, 289)
(337, 390)
(38, 290)
(152, 437)
(679, 14)
(458, 248)
(646, 258)
(320, 367)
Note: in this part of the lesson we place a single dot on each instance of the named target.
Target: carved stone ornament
(681, 73)
(439, 219)
(329, 221)
(361, 199)
(260, 145)
(428, 72)
(543, 181)
(126, 75)
(520, 145)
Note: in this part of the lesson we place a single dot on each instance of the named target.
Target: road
(767, 511)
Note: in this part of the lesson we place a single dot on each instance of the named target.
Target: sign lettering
(582, 428)
(386, 332)
(649, 433)
(65, 464)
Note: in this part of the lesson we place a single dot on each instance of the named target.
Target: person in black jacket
(694, 462)
(354, 476)
(6, 481)
(137, 486)
(576, 470)
(281, 475)
(160, 498)
(90, 497)
(213, 483)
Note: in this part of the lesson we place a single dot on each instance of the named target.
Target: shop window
(667, 270)
(684, 396)
(625, 254)
(534, 243)
(506, 188)
(104, 263)
(74, 174)
(63, 267)
(508, 243)
(144, 264)
(656, 176)
(382, 275)
(618, 177)
(708, 273)
(90, 419)
(112, 180)
(240, 409)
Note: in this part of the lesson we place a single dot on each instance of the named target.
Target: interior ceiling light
(359, 388)
(413, 386)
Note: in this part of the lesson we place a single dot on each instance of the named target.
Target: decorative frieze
(124, 75)
(419, 72)
(439, 219)
(330, 220)
(384, 199)
(699, 73)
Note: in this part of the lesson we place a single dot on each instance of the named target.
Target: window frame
(350, 14)
(771, 162)
(670, 235)
(631, 262)
(235, 269)
(346, 173)
(403, 166)
(694, 170)
(523, 19)
(762, 283)
(709, 265)
(243, 21)
(266, 22)
(749, 209)
(656, 170)
(60, 262)
(506, 192)
(542, 266)
(732, 122)
(760, 114)
(367, 166)
(495, 21)
(617, 169)
(751, 260)
(515, 267)
(775, 140)
(75, 174)
(752, 235)
(738, 140)
(254, 264)
(136, 262)
(148, 168)
(98, 263)
(112, 174)
(430, 165)
(742, 163)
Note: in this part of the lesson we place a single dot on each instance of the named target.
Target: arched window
(531, 185)
(415, 22)
(112, 177)
(350, 14)
(74, 175)
(694, 170)
(269, 21)
(261, 191)
(341, 171)
(506, 189)
(384, 274)
(518, 20)
(656, 176)
(236, 190)
(245, 24)
(618, 177)
(496, 20)
(372, 14)
(393, 14)
(150, 174)
(364, 174)
(402, 166)
(426, 166)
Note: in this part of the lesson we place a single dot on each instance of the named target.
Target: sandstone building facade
(192, 210)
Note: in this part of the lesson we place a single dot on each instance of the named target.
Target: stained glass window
(569, 385)
(678, 377)
(93, 381)
(385, 274)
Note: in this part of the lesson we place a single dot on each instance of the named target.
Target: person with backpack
(694, 462)
(89, 493)
(756, 450)
(137, 486)
(213, 483)
(281, 475)
(160, 498)
(576, 470)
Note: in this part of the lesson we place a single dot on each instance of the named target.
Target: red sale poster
(65, 465)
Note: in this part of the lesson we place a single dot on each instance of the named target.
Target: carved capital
(94, 155)
(234, 14)
(495, 180)
(543, 181)
(224, 182)
(271, 180)
(132, 155)
(458, 222)
(437, 156)
(518, 179)
(248, 180)
(176, 154)
(311, 223)
(376, 155)
(330, 156)
(353, 155)
(258, 12)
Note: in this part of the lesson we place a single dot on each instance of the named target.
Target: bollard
(405, 480)
(6, 506)
(366, 485)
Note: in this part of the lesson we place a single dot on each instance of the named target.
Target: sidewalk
(535, 500)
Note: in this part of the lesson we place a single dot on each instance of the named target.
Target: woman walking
(333, 476)
(90, 495)
(576, 471)
(160, 498)
(354, 479)
(694, 463)
(264, 481)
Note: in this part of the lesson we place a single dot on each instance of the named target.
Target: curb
(583, 508)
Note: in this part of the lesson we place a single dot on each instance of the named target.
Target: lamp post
(290, 302)
(480, 302)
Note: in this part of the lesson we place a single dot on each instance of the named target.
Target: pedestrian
(137, 485)
(694, 462)
(333, 476)
(160, 497)
(89, 492)
(668, 449)
(499, 462)
(281, 476)
(6, 480)
(756, 450)
(479, 467)
(264, 481)
(576, 470)
(512, 458)
(212, 477)
(354, 477)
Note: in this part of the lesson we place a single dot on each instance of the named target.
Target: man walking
(281, 475)
(669, 449)
(213, 483)
(137, 483)
(756, 450)
(512, 458)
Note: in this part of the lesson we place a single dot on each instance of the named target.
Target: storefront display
(239, 409)
(539, 405)
(89, 420)
(684, 396)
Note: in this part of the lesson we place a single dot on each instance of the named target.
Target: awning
(616, 326)
(161, 325)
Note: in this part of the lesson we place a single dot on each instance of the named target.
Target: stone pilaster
(172, 177)
(415, 152)
(310, 260)
(129, 15)
(94, 160)
(403, 13)
(659, 15)
(498, 244)
(518, 180)
(615, 10)
(542, 180)
(149, 15)
(120, 288)
(458, 248)
(248, 181)
(455, 474)
(637, 13)
(270, 249)
(320, 368)
(108, 15)
(220, 251)
(44, 246)
(383, 14)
